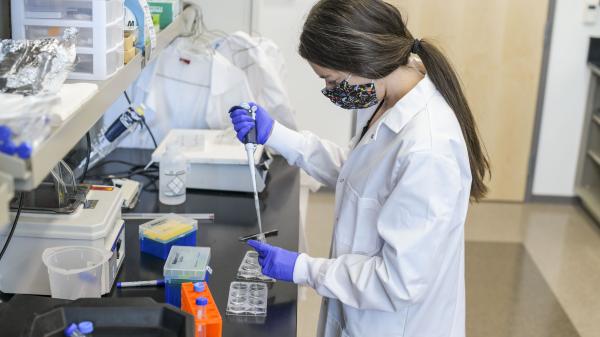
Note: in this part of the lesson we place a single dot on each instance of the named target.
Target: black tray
(115, 317)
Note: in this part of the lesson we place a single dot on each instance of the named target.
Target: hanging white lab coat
(402, 193)
(264, 66)
(186, 89)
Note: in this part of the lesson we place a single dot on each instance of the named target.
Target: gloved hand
(242, 123)
(276, 262)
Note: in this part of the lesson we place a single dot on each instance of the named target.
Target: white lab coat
(402, 193)
(186, 89)
(264, 66)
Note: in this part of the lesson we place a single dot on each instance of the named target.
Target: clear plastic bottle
(172, 174)
(201, 303)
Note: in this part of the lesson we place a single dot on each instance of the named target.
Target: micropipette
(250, 144)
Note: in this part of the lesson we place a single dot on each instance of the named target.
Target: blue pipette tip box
(158, 236)
(184, 264)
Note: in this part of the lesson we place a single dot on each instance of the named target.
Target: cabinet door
(496, 46)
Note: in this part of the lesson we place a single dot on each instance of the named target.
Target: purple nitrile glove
(242, 123)
(276, 262)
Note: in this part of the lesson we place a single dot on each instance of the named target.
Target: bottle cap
(71, 329)
(8, 147)
(201, 301)
(24, 151)
(86, 327)
(199, 287)
(5, 133)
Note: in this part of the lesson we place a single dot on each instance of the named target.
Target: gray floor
(508, 296)
(531, 269)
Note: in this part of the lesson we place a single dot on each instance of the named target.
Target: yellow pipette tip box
(158, 236)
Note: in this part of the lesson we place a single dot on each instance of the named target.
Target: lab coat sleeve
(414, 227)
(321, 159)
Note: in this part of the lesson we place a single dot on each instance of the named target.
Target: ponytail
(370, 39)
(443, 76)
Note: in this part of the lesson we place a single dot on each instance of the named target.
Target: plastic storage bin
(76, 10)
(85, 38)
(184, 264)
(100, 24)
(158, 236)
(75, 272)
(112, 317)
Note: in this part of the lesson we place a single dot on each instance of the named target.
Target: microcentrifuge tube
(201, 303)
(201, 330)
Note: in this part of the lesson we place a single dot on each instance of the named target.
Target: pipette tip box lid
(158, 236)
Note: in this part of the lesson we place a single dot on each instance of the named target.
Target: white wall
(227, 15)
(565, 100)
(281, 21)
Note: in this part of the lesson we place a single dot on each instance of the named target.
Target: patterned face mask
(348, 96)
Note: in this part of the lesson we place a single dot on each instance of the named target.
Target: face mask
(348, 96)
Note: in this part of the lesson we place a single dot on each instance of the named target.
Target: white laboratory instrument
(217, 160)
(130, 191)
(95, 223)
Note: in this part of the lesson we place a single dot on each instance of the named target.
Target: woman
(402, 189)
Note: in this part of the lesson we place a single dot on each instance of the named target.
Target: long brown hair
(369, 38)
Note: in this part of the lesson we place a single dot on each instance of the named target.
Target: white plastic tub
(85, 38)
(76, 10)
(87, 65)
(75, 271)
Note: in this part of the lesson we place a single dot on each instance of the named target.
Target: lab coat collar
(408, 106)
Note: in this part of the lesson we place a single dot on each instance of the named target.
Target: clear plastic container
(75, 272)
(247, 299)
(113, 34)
(250, 269)
(79, 10)
(187, 263)
(84, 67)
(158, 236)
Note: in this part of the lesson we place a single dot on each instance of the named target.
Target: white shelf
(28, 174)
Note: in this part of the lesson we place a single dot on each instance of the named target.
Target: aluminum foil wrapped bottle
(31, 74)
(31, 67)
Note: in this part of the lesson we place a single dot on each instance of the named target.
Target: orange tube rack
(212, 319)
